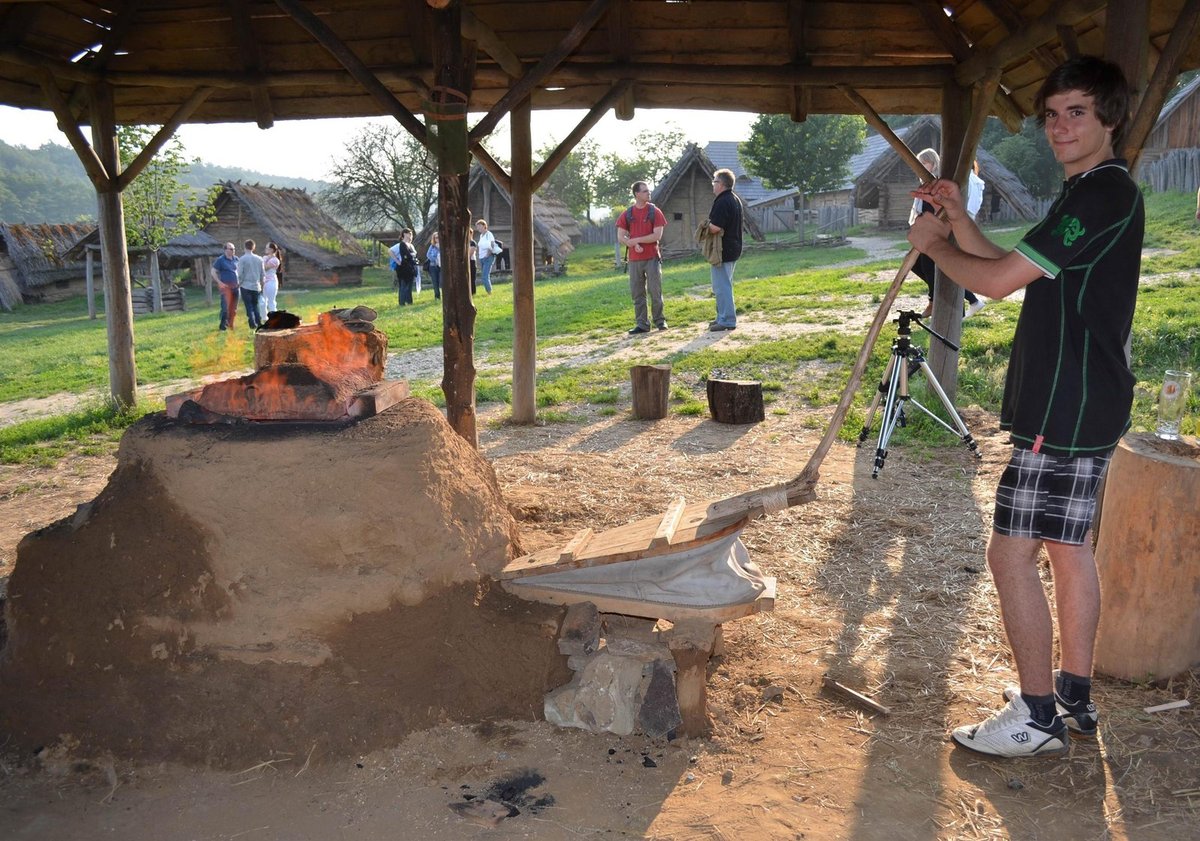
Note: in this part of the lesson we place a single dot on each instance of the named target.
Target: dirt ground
(882, 586)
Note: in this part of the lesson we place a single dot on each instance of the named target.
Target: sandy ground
(882, 587)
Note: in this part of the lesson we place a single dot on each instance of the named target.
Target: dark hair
(638, 186)
(406, 231)
(249, 244)
(1102, 80)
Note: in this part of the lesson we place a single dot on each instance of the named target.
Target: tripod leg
(879, 392)
(965, 433)
(893, 409)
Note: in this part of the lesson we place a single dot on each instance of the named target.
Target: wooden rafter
(578, 133)
(355, 67)
(1187, 28)
(620, 44)
(476, 30)
(492, 167)
(243, 34)
(1013, 21)
(161, 137)
(537, 74)
(1035, 33)
(985, 95)
(122, 21)
(1068, 39)
(801, 96)
(885, 131)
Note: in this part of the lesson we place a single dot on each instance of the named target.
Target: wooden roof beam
(1184, 33)
(614, 95)
(355, 67)
(492, 167)
(620, 44)
(164, 134)
(1036, 33)
(243, 34)
(1007, 14)
(885, 131)
(473, 29)
(801, 102)
(537, 74)
(1068, 39)
(935, 17)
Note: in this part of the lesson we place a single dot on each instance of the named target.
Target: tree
(812, 155)
(157, 204)
(386, 178)
(652, 154)
(576, 179)
(1029, 156)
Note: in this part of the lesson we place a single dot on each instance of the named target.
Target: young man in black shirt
(1067, 396)
(725, 220)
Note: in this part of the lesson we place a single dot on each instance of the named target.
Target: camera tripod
(908, 358)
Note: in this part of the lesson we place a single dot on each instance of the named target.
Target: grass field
(53, 348)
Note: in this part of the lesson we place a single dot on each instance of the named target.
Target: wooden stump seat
(735, 401)
(651, 389)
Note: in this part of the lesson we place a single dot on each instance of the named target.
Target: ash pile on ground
(246, 592)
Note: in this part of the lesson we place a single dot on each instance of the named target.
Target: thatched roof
(180, 247)
(37, 252)
(292, 219)
(733, 56)
(694, 157)
(553, 225)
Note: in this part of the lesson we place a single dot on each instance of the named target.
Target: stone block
(580, 633)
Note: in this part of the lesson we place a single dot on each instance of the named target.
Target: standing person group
(1067, 396)
(725, 221)
(639, 229)
(247, 275)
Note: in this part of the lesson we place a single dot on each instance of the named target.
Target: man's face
(640, 197)
(229, 251)
(1076, 136)
(718, 186)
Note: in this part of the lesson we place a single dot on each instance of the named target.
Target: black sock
(1073, 689)
(1041, 708)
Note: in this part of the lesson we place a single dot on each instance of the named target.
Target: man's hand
(926, 231)
(637, 246)
(943, 193)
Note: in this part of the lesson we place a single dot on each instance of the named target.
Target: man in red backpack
(639, 229)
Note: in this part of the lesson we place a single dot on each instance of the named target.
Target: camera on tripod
(907, 359)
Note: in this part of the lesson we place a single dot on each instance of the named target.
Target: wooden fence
(1177, 171)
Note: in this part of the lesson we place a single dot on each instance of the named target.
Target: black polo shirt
(726, 214)
(1069, 389)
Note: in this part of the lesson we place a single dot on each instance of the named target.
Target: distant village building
(555, 231)
(880, 183)
(32, 263)
(685, 196)
(317, 250)
(1170, 159)
(773, 210)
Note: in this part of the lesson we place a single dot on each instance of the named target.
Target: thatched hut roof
(927, 131)
(38, 252)
(292, 219)
(694, 156)
(180, 248)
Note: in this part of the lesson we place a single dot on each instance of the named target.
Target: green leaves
(812, 155)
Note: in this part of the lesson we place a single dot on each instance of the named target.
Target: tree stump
(735, 401)
(1146, 555)
(651, 388)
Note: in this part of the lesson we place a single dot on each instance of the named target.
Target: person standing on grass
(487, 249)
(1067, 396)
(433, 262)
(250, 278)
(225, 272)
(404, 256)
(725, 221)
(272, 268)
(639, 229)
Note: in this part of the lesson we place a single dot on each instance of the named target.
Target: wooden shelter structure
(555, 231)
(157, 62)
(318, 251)
(885, 183)
(685, 195)
(35, 265)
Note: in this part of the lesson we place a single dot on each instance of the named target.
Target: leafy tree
(158, 205)
(812, 155)
(1029, 156)
(651, 156)
(386, 178)
(576, 181)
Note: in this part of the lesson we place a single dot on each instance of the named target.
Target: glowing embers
(328, 372)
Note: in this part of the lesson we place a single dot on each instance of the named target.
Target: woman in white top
(487, 251)
(271, 265)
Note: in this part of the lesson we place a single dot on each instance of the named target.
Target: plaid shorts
(1049, 497)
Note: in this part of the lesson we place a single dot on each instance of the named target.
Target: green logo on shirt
(1070, 228)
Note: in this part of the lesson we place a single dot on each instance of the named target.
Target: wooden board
(631, 542)
(765, 602)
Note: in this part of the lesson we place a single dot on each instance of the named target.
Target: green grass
(54, 348)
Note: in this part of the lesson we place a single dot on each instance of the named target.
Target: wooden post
(651, 388)
(90, 276)
(691, 643)
(122, 370)
(155, 283)
(458, 310)
(524, 404)
(735, 401)
(1146, 555)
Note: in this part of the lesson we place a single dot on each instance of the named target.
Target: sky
(307, 148)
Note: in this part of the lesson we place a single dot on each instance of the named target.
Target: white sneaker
(1013, 733)
(974, 308)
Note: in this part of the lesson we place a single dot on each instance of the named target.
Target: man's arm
(996, 273)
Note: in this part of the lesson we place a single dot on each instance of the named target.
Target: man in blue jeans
(225, 273)
(725, 221)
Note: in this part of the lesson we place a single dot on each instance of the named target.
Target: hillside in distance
(48, 184)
